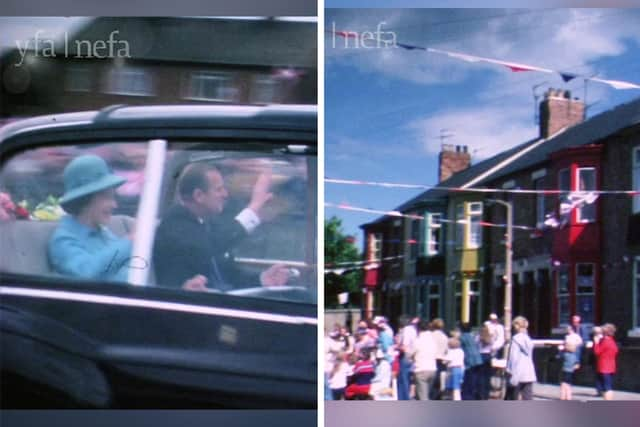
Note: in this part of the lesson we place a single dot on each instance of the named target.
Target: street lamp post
(508, 277)
(507, 269)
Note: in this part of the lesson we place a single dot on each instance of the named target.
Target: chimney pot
(452, 160)
(558, 110)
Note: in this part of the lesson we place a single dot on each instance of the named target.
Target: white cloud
(485, 131)
(498, 112)
(564, 39)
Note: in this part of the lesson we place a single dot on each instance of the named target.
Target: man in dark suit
(192, 252)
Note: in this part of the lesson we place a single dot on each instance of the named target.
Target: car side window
(32, 188)
(239, 222)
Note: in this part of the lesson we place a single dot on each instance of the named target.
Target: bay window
(475, 227)
(636, 179)
(586, 181)
(433, 234)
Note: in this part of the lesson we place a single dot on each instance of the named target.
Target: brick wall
(617, 279)
(452, 159)
(558, 110)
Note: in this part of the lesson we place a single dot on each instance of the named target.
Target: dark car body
(76, 343)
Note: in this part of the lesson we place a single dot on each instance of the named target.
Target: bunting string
(344, 206)
(554, 264)
(478, 190)
(513, 66)
(351, 263)
(347, 207)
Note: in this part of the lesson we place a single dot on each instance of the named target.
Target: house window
(129, 81)
(509, 184)
(434, 300)
(564, 307)
(538, 185)
(458, 299)
(211, 87)
(434, 234)
(474, 301)
(636, 179)
(467, 301)
(636, 292)
(585, 291)
(396, 238)
(264, 89)
(77, 79)
(460, 225)
(376, 246)
(475, 228)
(414, 241)
(564, 182)
(586, 181)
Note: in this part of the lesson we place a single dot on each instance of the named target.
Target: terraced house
(169, 60)
(452, 264)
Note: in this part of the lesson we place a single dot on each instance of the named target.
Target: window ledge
(125, 93)
(633, 333)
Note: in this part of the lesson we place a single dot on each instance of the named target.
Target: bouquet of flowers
(10, 211)
(49, 210)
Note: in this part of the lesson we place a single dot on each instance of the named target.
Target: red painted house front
(577, 240)
(371, 277)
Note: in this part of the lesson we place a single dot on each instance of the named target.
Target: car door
(71, 341)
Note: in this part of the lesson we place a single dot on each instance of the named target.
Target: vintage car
(70, 342)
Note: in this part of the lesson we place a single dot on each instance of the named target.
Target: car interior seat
(23, 244)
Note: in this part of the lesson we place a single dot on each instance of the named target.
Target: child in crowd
(338, 377)
(381, 383)
(570, 361)
(360, 379)
(455, 367)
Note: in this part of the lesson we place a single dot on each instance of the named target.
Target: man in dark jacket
(191, 251)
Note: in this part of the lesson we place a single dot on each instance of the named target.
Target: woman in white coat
(520, 368)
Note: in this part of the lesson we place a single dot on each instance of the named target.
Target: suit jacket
(186, 246)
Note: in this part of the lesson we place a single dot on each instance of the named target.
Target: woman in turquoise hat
(82, 246)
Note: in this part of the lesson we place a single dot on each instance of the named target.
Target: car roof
(270, 117)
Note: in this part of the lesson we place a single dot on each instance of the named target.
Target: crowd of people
(421, 360)
(424, 361)
(603, 356)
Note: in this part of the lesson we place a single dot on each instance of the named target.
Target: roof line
(510, 159)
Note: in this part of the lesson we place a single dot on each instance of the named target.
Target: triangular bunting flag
(567, 77)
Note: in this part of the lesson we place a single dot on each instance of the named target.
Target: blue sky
(384, 108)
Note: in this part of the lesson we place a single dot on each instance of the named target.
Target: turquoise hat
(86, 175)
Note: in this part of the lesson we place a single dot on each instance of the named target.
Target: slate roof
(588, 132)
(456, 180)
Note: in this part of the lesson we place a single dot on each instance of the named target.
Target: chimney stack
(452, 159)
(558, 110)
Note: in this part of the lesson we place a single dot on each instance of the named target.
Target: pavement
(582, 394)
